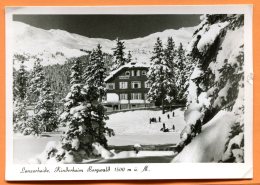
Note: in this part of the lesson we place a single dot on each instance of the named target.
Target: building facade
(127, 87)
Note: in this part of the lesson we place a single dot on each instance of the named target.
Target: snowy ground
(130, 128)
(209, 145)
(27, 147)
(134, 127)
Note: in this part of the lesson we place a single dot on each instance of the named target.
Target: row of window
(135, 72)
(134, 96)
(124, 85)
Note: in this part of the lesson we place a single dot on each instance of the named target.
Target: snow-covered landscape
(56, 46)
(177, 95)
(135, 129)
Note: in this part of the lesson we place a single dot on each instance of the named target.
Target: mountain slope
(56, 46)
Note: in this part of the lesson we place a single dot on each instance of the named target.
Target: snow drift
(209, 146)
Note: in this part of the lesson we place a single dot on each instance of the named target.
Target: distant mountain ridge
(56, 46)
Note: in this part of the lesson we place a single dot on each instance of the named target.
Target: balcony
(136, 101)
(123, 77)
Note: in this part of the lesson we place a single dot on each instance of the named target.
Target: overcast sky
(110, 26)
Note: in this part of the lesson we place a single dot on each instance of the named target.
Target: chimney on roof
(134, 62)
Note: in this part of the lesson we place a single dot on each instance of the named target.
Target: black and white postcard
(129, 92)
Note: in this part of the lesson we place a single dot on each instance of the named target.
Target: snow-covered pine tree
(20, 92)
(20, 88)
(46, 110)
(129, 57)
(217, 80)
(36, 82)
(182, 72)
(84, 118)
(95, 72)
(118, 54)
(76, 72)
(160, 77)
(170, 53)
(45, 118)
(169, 57)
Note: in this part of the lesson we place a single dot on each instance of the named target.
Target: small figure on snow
(164, 129)
(137, 148)
(168, 116)
(150, 120)
(159, 119)
(172, 114)
(173, 127)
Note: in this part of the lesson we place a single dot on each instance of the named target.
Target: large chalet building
(127, 87)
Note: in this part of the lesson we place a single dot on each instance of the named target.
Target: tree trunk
(163, 111)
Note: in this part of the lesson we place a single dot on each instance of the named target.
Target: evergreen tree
(160, 77)
(20, 115)
(119, 54)
(36, 82)
(129, 57)
(217, 81)
(75, 76)
(170, 53)
(182, 74)
(46, 109)
(20, 88)
(45, 118)
(95, 72)
(84, 117)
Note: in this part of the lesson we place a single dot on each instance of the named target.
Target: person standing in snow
(172, 114)
(173, 127)
(163, 128)
(168, 116)
(159, 119)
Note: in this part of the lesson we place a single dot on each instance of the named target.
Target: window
(123, 97)
(144, 72)
(136, 85)
(110, 86)
(123, 85)
(138, 73)
(147, 85)
(133, 72)
(136, 96)
(127, 73)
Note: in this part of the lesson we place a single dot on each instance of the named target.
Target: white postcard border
(135, 171)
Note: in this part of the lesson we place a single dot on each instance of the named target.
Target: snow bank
(100, 150)
(48, 153)
(209, 145)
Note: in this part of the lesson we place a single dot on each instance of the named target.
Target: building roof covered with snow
(130, 65)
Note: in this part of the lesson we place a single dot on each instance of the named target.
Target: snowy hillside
(55, 46)
(216, 85)
(209, 146)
